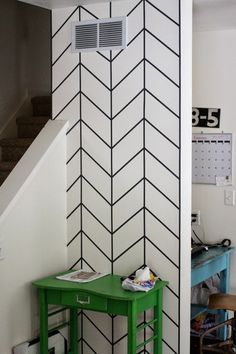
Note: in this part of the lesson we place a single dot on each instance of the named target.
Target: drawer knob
(83, 302)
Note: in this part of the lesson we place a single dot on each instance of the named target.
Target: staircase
(27, 129)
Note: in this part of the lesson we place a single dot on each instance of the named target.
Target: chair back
(222, 302)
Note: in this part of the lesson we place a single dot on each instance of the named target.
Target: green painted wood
(151, 339)
(73, 326)
(140, 328)
(158, 323)
(104, 295)
(43, 317)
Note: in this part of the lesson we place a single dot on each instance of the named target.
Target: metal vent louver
(96, 35)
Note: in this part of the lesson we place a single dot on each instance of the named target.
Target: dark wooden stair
(27, 129)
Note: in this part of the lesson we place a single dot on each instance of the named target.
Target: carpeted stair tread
(34, 120)
(29, 127)
(41, 99)
(12, 149)
(42, 105)
(16, 142)
(7, 165)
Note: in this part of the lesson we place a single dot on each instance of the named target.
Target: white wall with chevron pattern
(123, 161)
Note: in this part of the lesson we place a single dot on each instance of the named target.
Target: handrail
(27, 167)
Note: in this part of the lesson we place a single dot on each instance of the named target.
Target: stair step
(7, 166)
(42, 105)
(14, 149)
(29, 127)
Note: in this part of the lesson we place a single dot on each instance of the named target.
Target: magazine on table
(81, 276)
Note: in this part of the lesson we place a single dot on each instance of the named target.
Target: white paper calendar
(212, 158)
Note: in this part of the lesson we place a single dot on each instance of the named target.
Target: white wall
(129, 156)
(214, 77)
(34, 239)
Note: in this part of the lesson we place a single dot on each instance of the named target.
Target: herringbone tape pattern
(123, 156)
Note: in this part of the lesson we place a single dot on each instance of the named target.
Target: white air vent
(103, 34)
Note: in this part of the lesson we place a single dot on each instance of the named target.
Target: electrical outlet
(229, 197)
(195, 217)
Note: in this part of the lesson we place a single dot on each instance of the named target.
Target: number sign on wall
(212, 158)
(206, 117)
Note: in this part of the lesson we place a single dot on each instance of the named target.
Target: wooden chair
(221, 302)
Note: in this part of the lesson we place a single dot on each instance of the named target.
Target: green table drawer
(84, 300)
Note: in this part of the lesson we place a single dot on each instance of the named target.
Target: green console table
(103, 295)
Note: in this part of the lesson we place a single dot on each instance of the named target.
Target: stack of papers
(81, 276)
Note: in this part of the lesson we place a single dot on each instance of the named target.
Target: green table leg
(73, 331)
(132, 327)
(43, 318)
(158, 323)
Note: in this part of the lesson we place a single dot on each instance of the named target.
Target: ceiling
(208, 15)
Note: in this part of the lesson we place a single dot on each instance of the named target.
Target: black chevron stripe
(89, 12)
(162, 223)
(102, 168)
(72, 185)
(163, 13)
(97, 135)
(162, 103)
(97, 78)
(129, 43)
(120, 339)
(73, 238)
(127, 163)
(82, 260)
(162, 193)
(96, 190)
(74, 154)
(73, 126)
(97, 328)
(127, 105)
(131, 188)
(171, 319)
(94, 216)
(75, 263)
(172, 291)
(62, 82)
(72, 99)
(129, 73)
(165, 255)
(169, 346)
(103, 56)
(134, 8)
(68, 18)
(84, 341)
(100, 250)
(72, 212)
(163, 43)
(94, 104)
(62, 53)
(160, 132)
(162, 73)
(127, 133)
(127, 249)
(162, 163)
(125, 222)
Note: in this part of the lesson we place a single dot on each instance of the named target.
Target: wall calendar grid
(212, 158)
